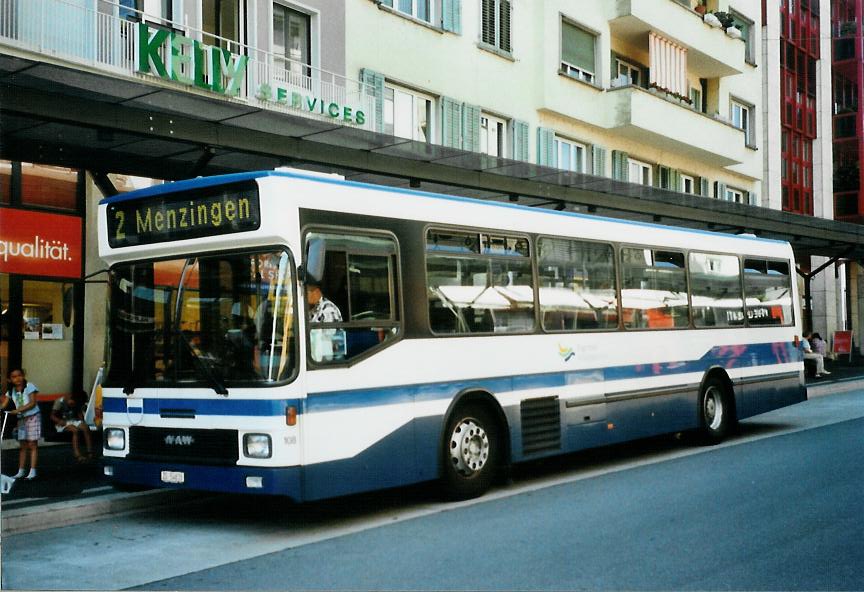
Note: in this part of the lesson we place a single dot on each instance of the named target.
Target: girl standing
(23, 394)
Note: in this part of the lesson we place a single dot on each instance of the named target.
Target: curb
(835, 387)
(45, 516)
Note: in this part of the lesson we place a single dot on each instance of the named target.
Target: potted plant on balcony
(726, 19)
(700, 7)
(712, 20)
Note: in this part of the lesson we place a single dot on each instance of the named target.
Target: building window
(735, 195)
(639, 172)
(159, 10)
(292, 42)
(628, 74)
(493, 135)
(407, 114)
(571, 155)
(745, 25)
(419, 9)
(577, 52)
(688, 184)
(696, 98)
(221, 23)
(740, 115)
(496, 24)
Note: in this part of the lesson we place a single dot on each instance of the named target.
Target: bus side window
(361, 279)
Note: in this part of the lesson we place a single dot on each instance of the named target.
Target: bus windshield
(216, 320)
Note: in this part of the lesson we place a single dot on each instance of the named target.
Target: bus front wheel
(715, 411)
(472, 452)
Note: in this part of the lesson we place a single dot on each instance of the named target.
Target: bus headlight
(257, 446)
(115, 439)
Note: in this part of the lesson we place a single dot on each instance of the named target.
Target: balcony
(711, 53)
(650, 118)
(75, 41)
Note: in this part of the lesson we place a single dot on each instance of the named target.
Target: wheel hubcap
(469, 447)
(713, 408)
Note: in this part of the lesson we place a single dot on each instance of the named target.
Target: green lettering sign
(148, 50)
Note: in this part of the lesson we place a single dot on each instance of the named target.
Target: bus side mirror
(313, 271)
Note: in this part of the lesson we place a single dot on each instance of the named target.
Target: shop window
(48, 186)
(5, 328)
(47, 349)
(5, 182)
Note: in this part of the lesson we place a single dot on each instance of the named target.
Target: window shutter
(504, 22)
(675, 180)
(374, 82)
(598, 161)
(752, 198)
(661, 171)
(546, 155)
(519, 133)
(471, 127)
(720, 190)
(487, 33)
(619, 165)
(577, 47)
(451, 123)
(451, 16)
(703, 186)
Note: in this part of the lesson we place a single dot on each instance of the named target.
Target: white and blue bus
(473, 335)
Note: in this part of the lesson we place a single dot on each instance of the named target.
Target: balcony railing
(109, 38)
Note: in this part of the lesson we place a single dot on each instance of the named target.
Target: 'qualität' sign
(38, 243)
(175, 57)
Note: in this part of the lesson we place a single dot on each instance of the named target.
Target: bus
(461, 336)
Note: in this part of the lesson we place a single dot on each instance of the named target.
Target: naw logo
(179, 440)
(566, 353)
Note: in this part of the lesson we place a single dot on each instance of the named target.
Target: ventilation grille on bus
(213, 447)
(541, 425)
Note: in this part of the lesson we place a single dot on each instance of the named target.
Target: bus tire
(716, 412)
(472, 451)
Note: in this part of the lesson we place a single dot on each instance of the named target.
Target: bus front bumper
(238, 479)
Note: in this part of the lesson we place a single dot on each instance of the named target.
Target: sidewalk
(71, 493)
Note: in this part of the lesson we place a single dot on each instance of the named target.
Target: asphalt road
(776, 508)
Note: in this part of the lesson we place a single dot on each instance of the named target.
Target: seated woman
(68, 416)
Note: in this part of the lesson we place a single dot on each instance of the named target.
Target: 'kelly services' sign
(172, 56)
(37, 243)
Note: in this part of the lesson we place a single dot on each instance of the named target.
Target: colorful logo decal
(565, 352)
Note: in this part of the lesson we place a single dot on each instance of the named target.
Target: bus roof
(202, 182)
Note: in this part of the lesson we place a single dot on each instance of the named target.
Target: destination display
(190, 215)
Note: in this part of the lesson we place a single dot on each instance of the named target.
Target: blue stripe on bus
(202, 182)
(153, 406)
(727, 356)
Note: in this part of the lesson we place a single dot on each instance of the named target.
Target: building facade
(626, 90)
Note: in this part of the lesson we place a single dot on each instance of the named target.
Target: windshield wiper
(204, 365)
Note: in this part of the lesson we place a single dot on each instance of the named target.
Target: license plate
(173, 477)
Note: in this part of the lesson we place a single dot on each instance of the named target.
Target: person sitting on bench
(809, 354)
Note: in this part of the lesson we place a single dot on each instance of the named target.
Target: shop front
(41, 264)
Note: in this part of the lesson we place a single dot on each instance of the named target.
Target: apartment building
(646, 91)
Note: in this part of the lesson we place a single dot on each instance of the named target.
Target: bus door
(584, 408)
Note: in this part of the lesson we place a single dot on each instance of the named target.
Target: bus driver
(327, 344)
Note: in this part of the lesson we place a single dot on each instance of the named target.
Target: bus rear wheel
(716, 413)
(472, 452)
